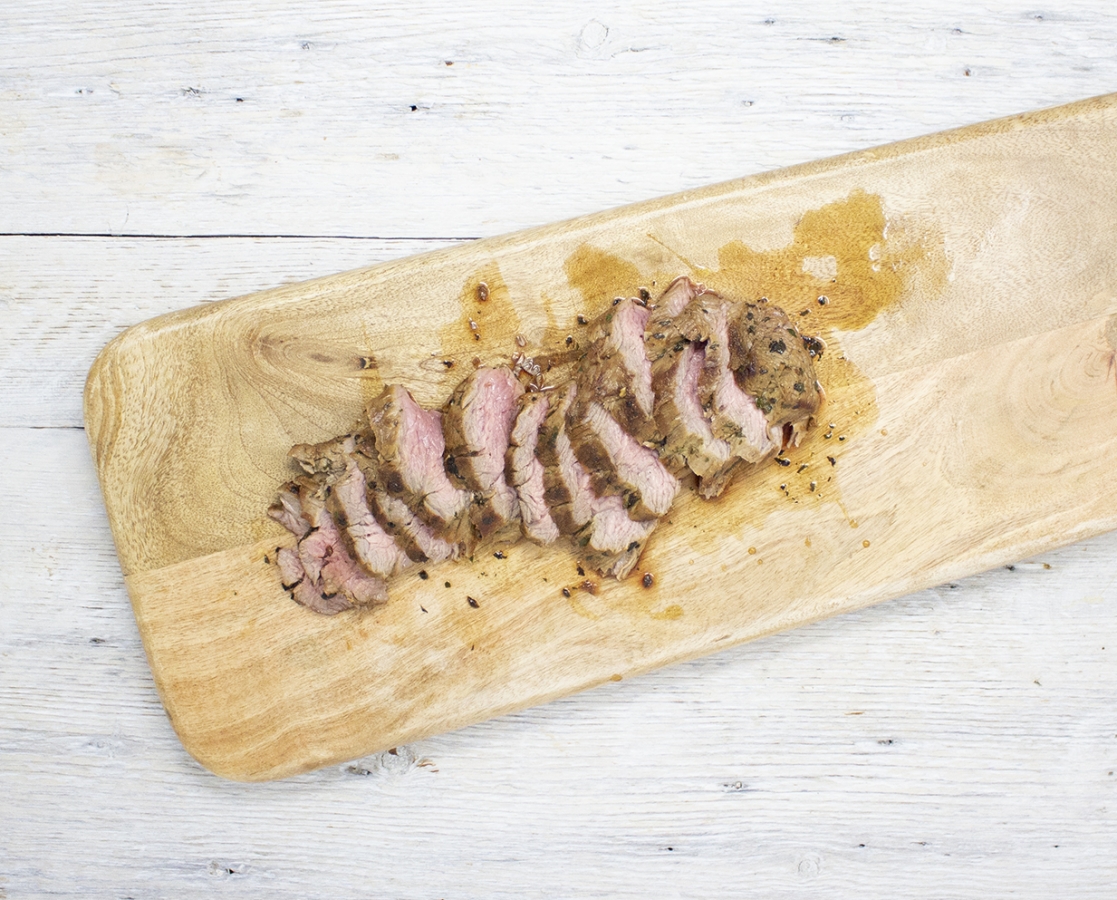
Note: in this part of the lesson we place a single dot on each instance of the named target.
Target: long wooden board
(966, 284)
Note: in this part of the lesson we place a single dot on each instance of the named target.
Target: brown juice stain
(601, 276)
(845, 252)
(486, 328)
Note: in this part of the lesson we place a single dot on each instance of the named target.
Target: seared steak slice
(325, 558)
(409, 451)
(615, 371)
(372, 545)
(566, 485)
(678, 295)
(773, 363)
(331, 580)
(679, 328)
(618, 464)
(733, 414)
(525, 471)
(414, 536)
(688, 439)
(664, 333)
(477, 424)
(302, 590)
(609, 540)
(287, 511)
(324, 461)
(345, 464)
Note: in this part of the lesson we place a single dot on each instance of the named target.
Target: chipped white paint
(960, 742)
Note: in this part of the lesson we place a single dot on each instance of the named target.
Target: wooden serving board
(970, 310)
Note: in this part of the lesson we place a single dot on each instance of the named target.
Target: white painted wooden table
(961, 742)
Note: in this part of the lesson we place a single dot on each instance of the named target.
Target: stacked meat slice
(688, 390)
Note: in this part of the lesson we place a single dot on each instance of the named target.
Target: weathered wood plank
(215, 119)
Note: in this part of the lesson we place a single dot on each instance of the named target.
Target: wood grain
(189, 418)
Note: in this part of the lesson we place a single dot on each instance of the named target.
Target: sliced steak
(409, 457)
(615, 371)
(618, 464)
(664, 333)
(302, 590)
(320, 573)
(733, 414)
(287, 511)
(326, 559)
(347, 466)
(773, 362)
(525, 471)
(414, 536)
(686, 319)
(477, 424)
(325, 461)
(689, 441)
(372, 545)
(608, 539)
(566, 485)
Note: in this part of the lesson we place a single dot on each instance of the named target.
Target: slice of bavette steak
(302, 590)
(618, 464)
(342, 464)
(566, 486)
(615, 371)
(319, 573)
(689, 441)
(678, 295)
(373, 547)
(664, 333)
(700, 413)
(608, 539)
(525, 471)
(733, 414)
(287, 511)
(326, 560)
(611, 542)
(773, 362)
(416, 538)
(477, 424)
(409, 451)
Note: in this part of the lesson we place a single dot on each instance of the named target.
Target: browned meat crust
(410, 451)
(615, 372)
(525, 471)
(477, 426)
(617, 464)
(773, 362)
(331, 581)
